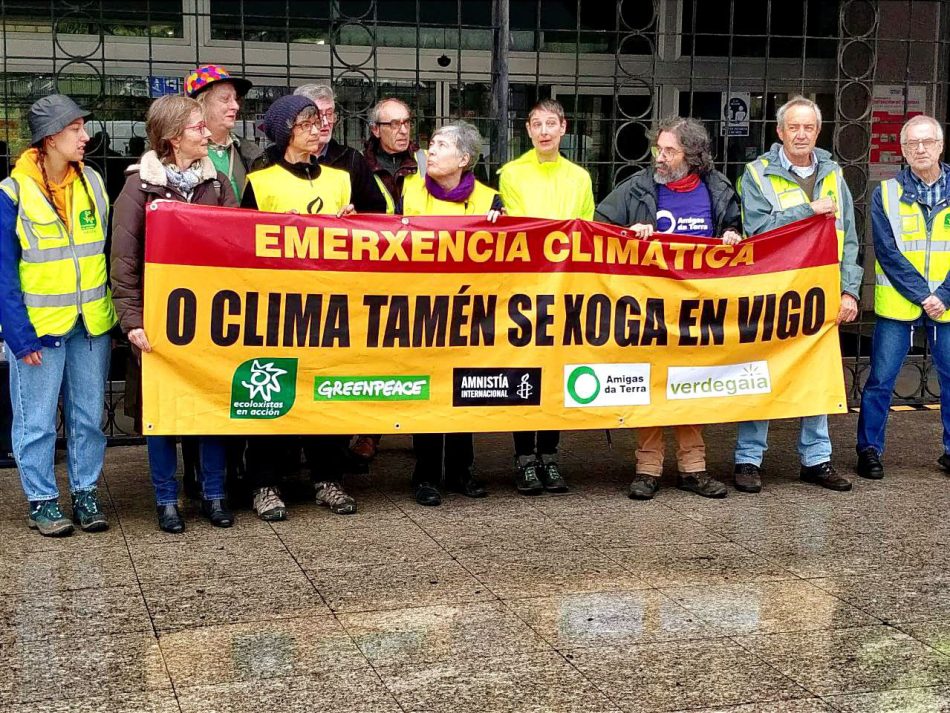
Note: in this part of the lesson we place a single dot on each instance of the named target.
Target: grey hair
(467, 140)
(315, 91)
(373, 114)
(694, 139)
(796, 101)
(921, 119)
(304, 114)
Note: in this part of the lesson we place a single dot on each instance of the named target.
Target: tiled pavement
(797, 600)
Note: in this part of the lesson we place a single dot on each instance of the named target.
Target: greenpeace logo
(371, 388)
(703, 382)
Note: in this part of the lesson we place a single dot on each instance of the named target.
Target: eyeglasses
(665, 151)
(396, 124)
(199, 127)
(926, 143)
(306, 126)
(328, 116)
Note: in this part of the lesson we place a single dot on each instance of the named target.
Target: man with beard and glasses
(681, 193)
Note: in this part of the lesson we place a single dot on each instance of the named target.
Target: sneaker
(334, 497)
(364, 448)
(268, 505)
(46, 517)
(748, 478)
(551, 477)
(825, 475)
(869, 464)
(643, 487)
(527, 481)
(87, 511)
(701, 483)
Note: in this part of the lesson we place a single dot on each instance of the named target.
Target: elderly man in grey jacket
(795, 180)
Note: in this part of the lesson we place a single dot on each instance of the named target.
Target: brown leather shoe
(364, 448)
(825, 475)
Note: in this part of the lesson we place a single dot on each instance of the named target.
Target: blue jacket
(904, 276)
(18, 331)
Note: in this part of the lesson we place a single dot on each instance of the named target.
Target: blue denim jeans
(891, 342)
(79, 368)
(814, 444)
(163, 464)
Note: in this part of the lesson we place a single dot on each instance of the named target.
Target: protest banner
(280, 323)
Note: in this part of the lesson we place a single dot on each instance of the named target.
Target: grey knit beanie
(280, 117)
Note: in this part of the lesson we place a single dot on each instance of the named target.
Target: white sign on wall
(736, 108)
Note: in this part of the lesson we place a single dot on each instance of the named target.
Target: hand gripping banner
(278, 323)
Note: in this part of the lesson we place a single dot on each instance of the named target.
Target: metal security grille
(617, 66)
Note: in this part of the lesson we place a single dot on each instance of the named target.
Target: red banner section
(394, 244)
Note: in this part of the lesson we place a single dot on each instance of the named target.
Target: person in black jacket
(681, 192)
(364, 192)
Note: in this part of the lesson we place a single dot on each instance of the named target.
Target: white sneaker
(268, 505)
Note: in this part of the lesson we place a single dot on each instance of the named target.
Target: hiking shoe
(46, 517)
(825, 475)
(87, 511)
(551, 478)
(701, 483)
(643, 487)
(869, 464)
(527, 481)
(364, 448)
(335, 498)
(747, 478)
(268, 505)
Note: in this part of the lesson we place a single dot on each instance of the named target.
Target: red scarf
(686, 184)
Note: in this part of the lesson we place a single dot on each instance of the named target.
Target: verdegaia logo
(703, 382)
(606, 385)
(371, 388)
(264, 388)
(496, 387)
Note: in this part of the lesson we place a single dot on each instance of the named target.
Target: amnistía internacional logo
(264, 388)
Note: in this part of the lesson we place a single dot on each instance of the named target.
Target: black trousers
(547, 442)
(455, 450)
(270, 457)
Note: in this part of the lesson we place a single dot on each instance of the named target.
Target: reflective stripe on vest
(387, 196)
(928, 251)
(63, 273)
(792, 194)
(66, 299)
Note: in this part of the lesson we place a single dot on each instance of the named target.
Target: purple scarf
(458, 194)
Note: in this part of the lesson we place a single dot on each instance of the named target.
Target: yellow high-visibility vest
(927, 251)
(782, 193)
(416, 200)
(277, 190)
(63, 273)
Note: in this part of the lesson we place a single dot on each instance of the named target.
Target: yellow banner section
(250, 350)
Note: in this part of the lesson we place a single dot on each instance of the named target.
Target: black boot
(218, 512)
(169, 519)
